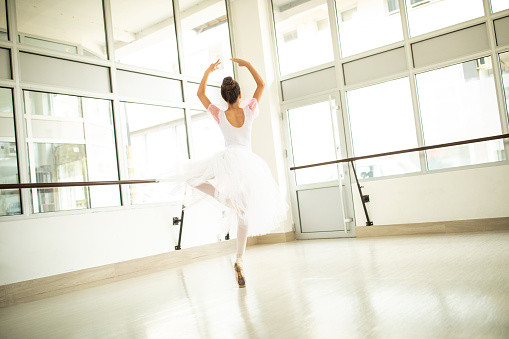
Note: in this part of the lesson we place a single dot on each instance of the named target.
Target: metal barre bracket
(180, 221)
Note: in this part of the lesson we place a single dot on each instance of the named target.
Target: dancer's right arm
(203, 84)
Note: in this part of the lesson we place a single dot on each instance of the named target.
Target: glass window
(499, 5)
(504, 67)
(303, 34)
(206, 38)
(459, 102)
(71, 139)
(312, 141)
(367, 25)
(207, 137)
(4, 35)
(144, 34)
(429, 15)
(212, 92)
(157, 140)
(72, 26)
(384, 123)
(9, 199)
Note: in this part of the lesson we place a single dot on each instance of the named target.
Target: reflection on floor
(440, 286)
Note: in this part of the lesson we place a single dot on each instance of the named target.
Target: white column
(253, 41)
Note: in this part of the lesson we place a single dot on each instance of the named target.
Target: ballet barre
(409, 150)
(176, 220)
(75, 183)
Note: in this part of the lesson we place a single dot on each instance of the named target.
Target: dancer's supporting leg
(241, 248)
(241, 238)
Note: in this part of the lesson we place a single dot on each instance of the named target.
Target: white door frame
(343, 184)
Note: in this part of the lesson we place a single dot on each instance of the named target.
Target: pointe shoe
(239, 274)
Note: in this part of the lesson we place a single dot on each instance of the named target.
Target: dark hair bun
(230, 90)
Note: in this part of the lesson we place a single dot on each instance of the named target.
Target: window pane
(72, 26)
(504, 67)
(312, 141)
(367, 25)
(144, 34)
(3, 21)
(55, 105)
(212, 92)
(459, 102)
(75, 141)
(499, 5)
(207, 137)
(9, 199)
(206, 38)
(156, 140)
(428, 15)
(382, 120)
(303, 34)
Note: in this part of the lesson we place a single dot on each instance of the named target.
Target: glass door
(321, 198)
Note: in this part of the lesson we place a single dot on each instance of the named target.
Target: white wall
(475, 193)
(49, 244)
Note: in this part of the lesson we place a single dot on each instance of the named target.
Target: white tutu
(242, 180)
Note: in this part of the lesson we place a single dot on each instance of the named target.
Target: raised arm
(260, 85)
(203, 84)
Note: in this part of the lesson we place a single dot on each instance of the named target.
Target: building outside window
(499, 5)
(205, 38)
(72, 26)
(367, 25)
(444, 13)
(3, 22)
(144, 34)
(384, 123)
(504, 67)
(156, 141)
(301, 42)
(392, 6)
(457, 103)
(70, 138)
(312, 141)
(10, 203)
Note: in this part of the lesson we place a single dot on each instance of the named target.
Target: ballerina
(242, 180)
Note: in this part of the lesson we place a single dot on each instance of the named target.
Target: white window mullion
(413, 87)
(498, 76)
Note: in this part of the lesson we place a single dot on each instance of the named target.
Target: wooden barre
(424, 148)
(73, 184)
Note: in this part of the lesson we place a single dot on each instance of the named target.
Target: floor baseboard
(440, 227)
(36, 289)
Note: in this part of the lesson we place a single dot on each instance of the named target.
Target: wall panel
(450, 46)
(5, 64)
(502, 31)
(64, 73)
(310, 83)
(148, 87)
(375, 67)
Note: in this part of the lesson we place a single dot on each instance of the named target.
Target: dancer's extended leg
(209, 189)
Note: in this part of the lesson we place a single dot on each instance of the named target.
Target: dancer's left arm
(203, 84)
(260, 85)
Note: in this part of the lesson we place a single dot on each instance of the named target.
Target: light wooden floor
(437, 286)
